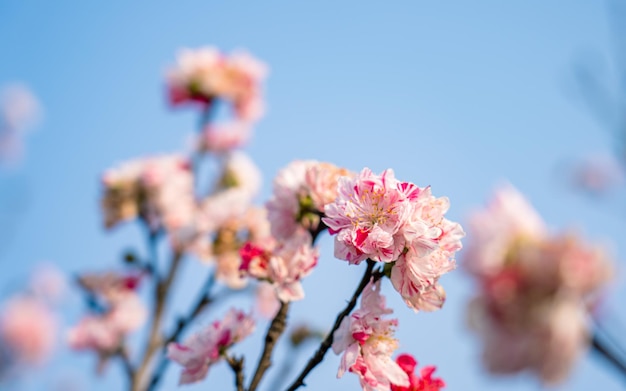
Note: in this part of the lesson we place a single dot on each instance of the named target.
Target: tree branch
(236, 364)
(273, 333)
(601, 348)
(162, 288)
(203, 300)
(328, 341)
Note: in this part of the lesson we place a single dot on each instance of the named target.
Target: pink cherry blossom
(223, 138)
(121, 312)
(368, 217)
(507, 218)
(205, 74)
(367, 342)
(301, 191)
(282, 264)
(380, 218)
(267, 303)
(28, 329)
(535, 290)
(158, 189)
(208, 346)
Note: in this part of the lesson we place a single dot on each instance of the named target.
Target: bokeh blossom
(117, 311)
(380, 218)
(159, 190)
(536, 289)
(19, 111)
(224, 137)
(28, 330)
(366, 340)
(301, 191)
(205, 75)
(209, 345)
(283, 264)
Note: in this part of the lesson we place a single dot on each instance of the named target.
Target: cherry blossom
(225, 137)
(301, 191)
(282, 264)
(203, 75)
(366, 340)
(209, 345)
(159, 190)
(535, 290)
(120, 312)
(380, 218)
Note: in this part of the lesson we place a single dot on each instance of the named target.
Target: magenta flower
(209, 345)
(422, 382)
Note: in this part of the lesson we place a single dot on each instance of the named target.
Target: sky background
(461, 96)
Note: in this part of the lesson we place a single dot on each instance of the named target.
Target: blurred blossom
(283, 264)
(596, 174)
(19, 111)
(159, 190)
(48, 282)
(301, 191)
(118, 311)
(205, 75)
(209, 345)
(380, 218)
(28, 329)
(222, 138)
(536, 289)
(267, 303)
(366, 340)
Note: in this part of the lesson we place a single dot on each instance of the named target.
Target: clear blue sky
(457, 95)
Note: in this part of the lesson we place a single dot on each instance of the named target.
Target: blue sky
(457, 95)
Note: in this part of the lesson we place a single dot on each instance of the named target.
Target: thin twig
(122, 354)
(203, 300)
(328, 341)
(236, 364)
(273, 334)
(162, 288)
(602, 349)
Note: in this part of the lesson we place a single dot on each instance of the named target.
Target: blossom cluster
(380, 218)
(207, 76)
(373, 217)
(535, 289)
(117, 311)
(159, 190)
(367, 342)
(209, 345)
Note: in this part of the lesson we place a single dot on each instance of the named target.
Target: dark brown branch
(273, 334)
(203, 300)
(602, 348)
(328, 341)
(236, 364)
